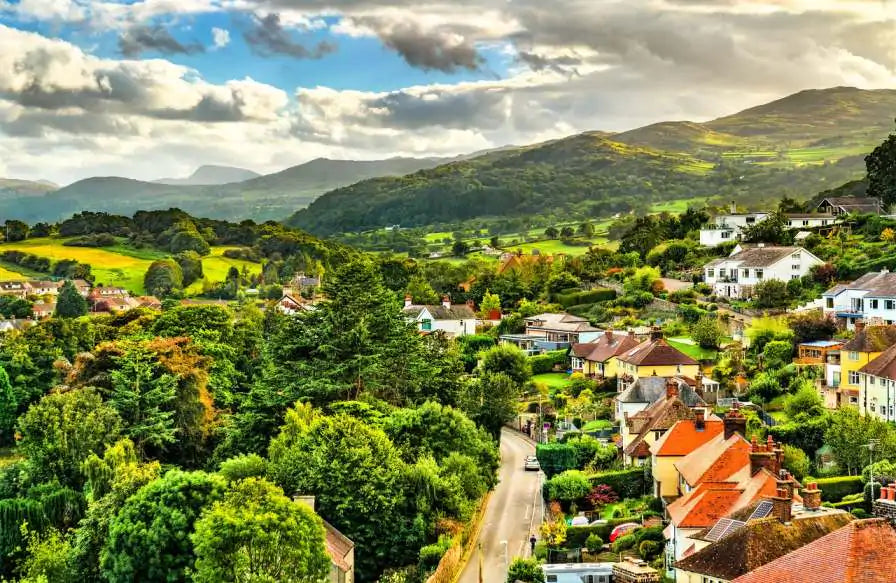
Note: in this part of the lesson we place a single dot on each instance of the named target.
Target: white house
(578, 572)
(735, 276)
(546, 332)
(871, 299)
(453, 319)
(728, 227)
(877, 386)
(810, 220)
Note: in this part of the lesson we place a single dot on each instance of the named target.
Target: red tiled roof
(683, 437)
(338, 547)
(660, 416)
(860, 552)
(696, 466)
(656, 352)
(710, 501)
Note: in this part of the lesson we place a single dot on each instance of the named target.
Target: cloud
(153, 38)
(221, 37)
(267, 37)
(441, 50)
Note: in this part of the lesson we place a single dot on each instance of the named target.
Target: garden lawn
(555, 246)
(688, 346)
(216, 266)
(552, 380)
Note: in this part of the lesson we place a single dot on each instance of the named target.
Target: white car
(531, 464)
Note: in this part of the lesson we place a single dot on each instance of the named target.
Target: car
(531, 464)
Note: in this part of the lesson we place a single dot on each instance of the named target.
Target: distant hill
(12, 187)
(272, 196)
(211, 175)
(795, 146)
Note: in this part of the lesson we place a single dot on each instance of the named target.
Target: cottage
(43, 309)
(15, 324)
(653, 358)
(868, 344)
(45, 288)
(291, 304)
(850, 205)
(728, 227)
(453, 319)
(871, 299)
(339, 547)
(676, 443)
(19, 289)
(546, 332)
(598, 359)
(735, 276)
(810, 220)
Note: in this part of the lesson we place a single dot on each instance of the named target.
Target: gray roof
(877, 284)
(561, 318)
(854, 204)
(652, 389)
(440, 312)
(765, 256)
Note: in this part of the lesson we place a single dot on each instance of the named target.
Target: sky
(154, 88)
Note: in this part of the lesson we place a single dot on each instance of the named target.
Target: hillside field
(118, 265)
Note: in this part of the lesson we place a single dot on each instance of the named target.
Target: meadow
(118, 265)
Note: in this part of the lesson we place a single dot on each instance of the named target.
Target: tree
(551, 232)
(707, 332)
(567, 233)
(8, 409)
(765, 386)
(256, 533)
(586, 229)
(489, 304)
(491, 401)
(569, 486)
(881, 167)
(15, 231)
(804, 404)
(190, 265)
(144, 398)
(13, 307)
(70, 303)
(163, 278)
(796, 462)
(243, 466)
(770, 293)
(777, 354)
(421, 292)
(64, 429)
(808, 327)
(460, 248)
(149, 538)
(494, 242)
(774, 229)
(525, 571)
(508, 360)
(849, 433)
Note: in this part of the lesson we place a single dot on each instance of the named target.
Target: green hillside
(796, 146)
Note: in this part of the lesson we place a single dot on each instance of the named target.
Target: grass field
(120, 265)
(676, 206)
(687, 346)
(552, 247)
(552, 380)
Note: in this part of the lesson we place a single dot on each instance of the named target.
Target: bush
(808, 435)
(649, 549)
(623, 543)
(631, 483)
(868, 496)
(525, 570)
(585, 297)
(570, 486)
(93, 240)
(544, 363)
(837, 488)
(594, 543)
(555, 458)
(430, 555)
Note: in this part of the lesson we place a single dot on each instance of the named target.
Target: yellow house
(683, 438)
(599, 359)
(868, 343)
(654, 358)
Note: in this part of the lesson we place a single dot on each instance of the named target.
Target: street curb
(474, 537)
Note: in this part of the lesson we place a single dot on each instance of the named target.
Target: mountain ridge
(210, 175)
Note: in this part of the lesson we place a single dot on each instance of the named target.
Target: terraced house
(600, 359)
(654, 358)
(868, 343)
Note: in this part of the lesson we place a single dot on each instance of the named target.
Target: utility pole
(481, 580)
(871, 445)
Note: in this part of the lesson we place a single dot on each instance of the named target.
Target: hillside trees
(163, 278)
(70, 303)
(881, 167)
(8, 409)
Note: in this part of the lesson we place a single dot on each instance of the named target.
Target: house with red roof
(599, 359)
(684, 437)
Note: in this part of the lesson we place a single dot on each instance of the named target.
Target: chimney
(860, 325)
(734, 422)
(471, 304)
(671, 388)
(306, 500)
(733, 207)
(446, 302)
(408, 300)
(786, 482)
(631, 333)
(699, 419)
(656, 333)
(782, 506)
(609, 334)
(812, 497)
(763, 456)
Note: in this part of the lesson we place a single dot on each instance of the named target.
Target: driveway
(514, 512)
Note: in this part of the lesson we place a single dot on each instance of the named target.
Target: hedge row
(808, 436)
(631, 483)
(585, 297)
(837, 488)
(544, 363)
(555, 458)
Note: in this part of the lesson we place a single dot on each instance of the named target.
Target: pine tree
(70, 303)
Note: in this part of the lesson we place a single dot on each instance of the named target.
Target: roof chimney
(734, 422)
(782, 506)
(763, 456)
(860, 325)
(446, 302)
(656, 333)
(609, 334)
(631, 332)
(733, 207)
(408, 300)
(699, 419)
(812, 497)
(671, 388)
(786, 482)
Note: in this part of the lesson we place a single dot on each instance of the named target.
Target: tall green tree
(163, 278)
(144, 399)
(70, 303)
(15, 230)
(257, 534)
(707, 332)
(8, 409)
(421, 292)
(491, 401)
(508, 360)
(850, 432)
(149, 538)
(881, 167)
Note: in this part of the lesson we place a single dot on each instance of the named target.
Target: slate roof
(560, 322)
(871, 339)
(883, 366)
(860, 552)
(854, 204)
(684, 437)
(765, 256)
(656, 352)
(760, 542)
(606, 347)
(660, 416)
(652, 389)
(876, 284)
(440, 312)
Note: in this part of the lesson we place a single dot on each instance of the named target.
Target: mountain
(262, 198)
(211, 175)
(795, 146)
(10, 187)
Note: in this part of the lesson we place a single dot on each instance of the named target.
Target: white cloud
(221, 37)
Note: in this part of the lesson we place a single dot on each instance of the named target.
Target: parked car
(531, 464)
(624, 529)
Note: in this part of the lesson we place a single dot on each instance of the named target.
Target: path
(514, 512)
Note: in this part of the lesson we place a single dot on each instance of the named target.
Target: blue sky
(151, 88)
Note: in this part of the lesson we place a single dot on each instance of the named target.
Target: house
(10, 324)
(653, 358)
(290, 304)
(757, 535)
(683, 438)
(83, 286)
(724, 475)
(19, 289)
(868, 343)
(871, 299)
(546, 332)
(735, 276)
(635, 571)
(598, 359)
(43, 309)
(816, 352)
(45, 288)
(877, 386)
(727, 227)
(339, 547)
(810, 220)
(453, 319)
(859, 552)
(151, 302)
(638, 432)
(100, 293)
(113, 305)
(850, 205)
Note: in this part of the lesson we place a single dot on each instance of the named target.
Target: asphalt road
(514, 512)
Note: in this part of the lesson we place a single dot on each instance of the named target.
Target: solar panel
(734, 526)
(763, 510)
(723, 528)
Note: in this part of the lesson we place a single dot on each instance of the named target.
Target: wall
(664, 472)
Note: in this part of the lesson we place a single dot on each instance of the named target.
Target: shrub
(569, 486)
(631, 483)
(649, 549)
(594, 543)
(601, 495)
(835, 489)
(430, 555)
(544, 363)
(624, 543)
(585, 297)
(525, 570)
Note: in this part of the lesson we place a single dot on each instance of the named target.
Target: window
(824, 223)
(806, 223)
(722, 272)
(746, 273)
(726, 234)
(794, 276)
(426, 325)
(889, 304)
(551, 579)
(853, 400)
(759, 274)
(873, 304)
(751, 220)
(796, 255)
(795, 267)
(870, 380)
(829, 303)
(853, 355)
(883, 410)
(710, 273)
(853, 377)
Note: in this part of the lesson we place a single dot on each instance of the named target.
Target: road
(514, 512)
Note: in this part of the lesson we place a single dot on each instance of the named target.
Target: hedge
(544, 363)
(837, 488)
(631, 483)
(808, 436)
(585, 297)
